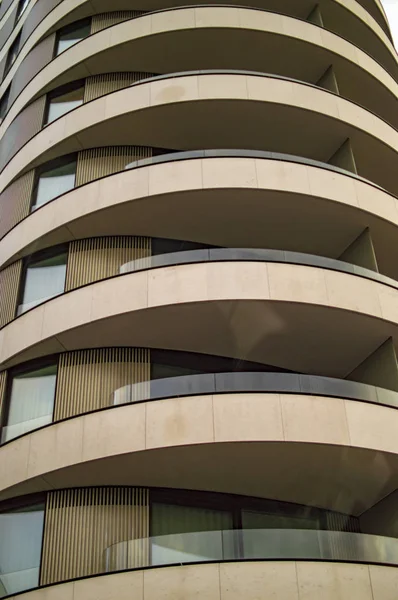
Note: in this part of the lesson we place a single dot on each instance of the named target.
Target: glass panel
(178, 520)
(21, 533)
(43, 280)
(55, 182)
(60, 105)
(31, 402)
(271, 535)
(71, 37)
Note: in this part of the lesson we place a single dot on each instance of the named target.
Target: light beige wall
(271, 580)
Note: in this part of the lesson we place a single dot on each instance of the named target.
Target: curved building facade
(198, 300)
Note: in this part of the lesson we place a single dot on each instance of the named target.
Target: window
(12, 53)
(70, 35)
(30, 401)
(21, 8)
(43, 279)
(54, 182)
(63, 101)
(188, 533)
(21, 533)
(4, 103)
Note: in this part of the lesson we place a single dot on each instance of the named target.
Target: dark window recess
(4, 103)
(12, 53)
(23, 4)
(63, 100)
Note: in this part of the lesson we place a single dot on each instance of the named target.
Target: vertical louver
(9, 285)
(98, 258)
(99, 85)
(87, 528)
(104, 20)
(93, 379)
(99, 162)
(15, 202)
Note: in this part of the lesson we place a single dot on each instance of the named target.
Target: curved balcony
(327, 205)
(159, 111)
(201, 27)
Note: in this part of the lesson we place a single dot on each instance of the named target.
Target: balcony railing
(251, 544)
(252, 382)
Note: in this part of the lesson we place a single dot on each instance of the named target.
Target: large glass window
(21, 533)
(43, 279)
(12, 53)
(30, 402)
(54, 182)
(61, 103)
(188, 533)
(70, 35)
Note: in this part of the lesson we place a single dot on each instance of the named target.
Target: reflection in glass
(12, 53)
(21, 533)
(72, 35)
(21, 8)
(31, 402)
(44, 279)
(62, 104)
(179, 521)
(55, 182)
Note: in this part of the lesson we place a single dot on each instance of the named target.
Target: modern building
(198, 300)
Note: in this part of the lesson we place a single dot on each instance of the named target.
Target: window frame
(44, 168)
(60, 91)
(68, 29)
(15, 44)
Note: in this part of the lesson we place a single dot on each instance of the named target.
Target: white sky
(391, 8)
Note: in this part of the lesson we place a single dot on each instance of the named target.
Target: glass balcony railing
(251, 255)
(252, 382)
(251, 544)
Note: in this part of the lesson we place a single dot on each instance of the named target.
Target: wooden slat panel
(15, 202)
(99, 85)
(9, 285)
(87, 379)
(94, 259)
(83, 526)
(104, 20)
(343, 546)
(99, 162)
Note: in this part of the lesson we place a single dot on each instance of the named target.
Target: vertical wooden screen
(99, 162)
(90, 379)
(98, 258)
(99, 85)
(104, 20)
(9, 285)
(15, 202)
(85, 529)
(342, 546)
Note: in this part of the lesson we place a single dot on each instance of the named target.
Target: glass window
(63, 103)
(54, 182)
(12, 53)
(44, 279)
(187, 533)
(70, 35)
(4, 103)
(31, 401)
(21, 8)
(21, 533)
